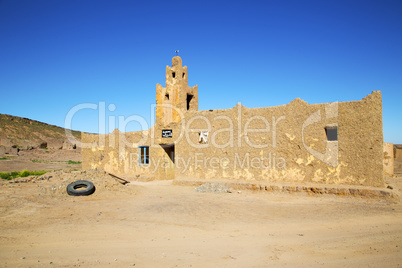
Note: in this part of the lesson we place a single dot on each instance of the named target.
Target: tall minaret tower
(177, 97)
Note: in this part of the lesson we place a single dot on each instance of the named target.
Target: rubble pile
(54, 183)
(213, 187)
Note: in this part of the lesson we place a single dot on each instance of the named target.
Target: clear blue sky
(56, 54)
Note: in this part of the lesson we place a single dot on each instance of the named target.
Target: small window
(167, 97)
(189, 98)
(173, 74)
(332, 133)
(143, 155)
(184, 75)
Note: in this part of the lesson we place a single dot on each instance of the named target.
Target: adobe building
(327, 143)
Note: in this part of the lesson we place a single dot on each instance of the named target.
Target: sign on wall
(167, 133)
(203, 137)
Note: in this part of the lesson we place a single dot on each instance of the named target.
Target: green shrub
(70, 162)
(38, 173)
(24, 173)
(5, 176)
(16, 174)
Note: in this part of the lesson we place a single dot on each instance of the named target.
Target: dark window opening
(332, 133)
(143, 155)
(167, 97)
(184, 75)
(189, 98)
(173, 74)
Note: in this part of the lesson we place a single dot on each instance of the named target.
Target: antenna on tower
(177, 52)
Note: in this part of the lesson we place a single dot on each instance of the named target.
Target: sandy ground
(157, 224)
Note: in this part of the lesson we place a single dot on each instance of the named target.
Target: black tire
(79, 188)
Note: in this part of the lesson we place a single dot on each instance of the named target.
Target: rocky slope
(23, 133)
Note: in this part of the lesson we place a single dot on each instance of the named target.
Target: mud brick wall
(329, 143)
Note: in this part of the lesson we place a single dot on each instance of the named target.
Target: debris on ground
(54, 183)
(213, 187)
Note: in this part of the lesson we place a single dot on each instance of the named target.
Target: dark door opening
(169, 149)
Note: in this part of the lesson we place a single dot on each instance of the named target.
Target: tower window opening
(173, 74)
(332, 133)
(184, 75)
(167, 96)
(189, 98)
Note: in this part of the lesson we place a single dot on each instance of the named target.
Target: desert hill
(24, 133)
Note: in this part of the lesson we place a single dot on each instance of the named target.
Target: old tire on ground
(81, 187)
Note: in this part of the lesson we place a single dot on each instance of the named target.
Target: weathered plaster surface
(389, 159)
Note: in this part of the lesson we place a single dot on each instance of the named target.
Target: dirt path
(156, 224)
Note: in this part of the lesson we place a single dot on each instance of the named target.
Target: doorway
(169, 150)
(168, 161)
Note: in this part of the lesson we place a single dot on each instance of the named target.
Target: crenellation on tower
(177, 74)
(176, 97)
